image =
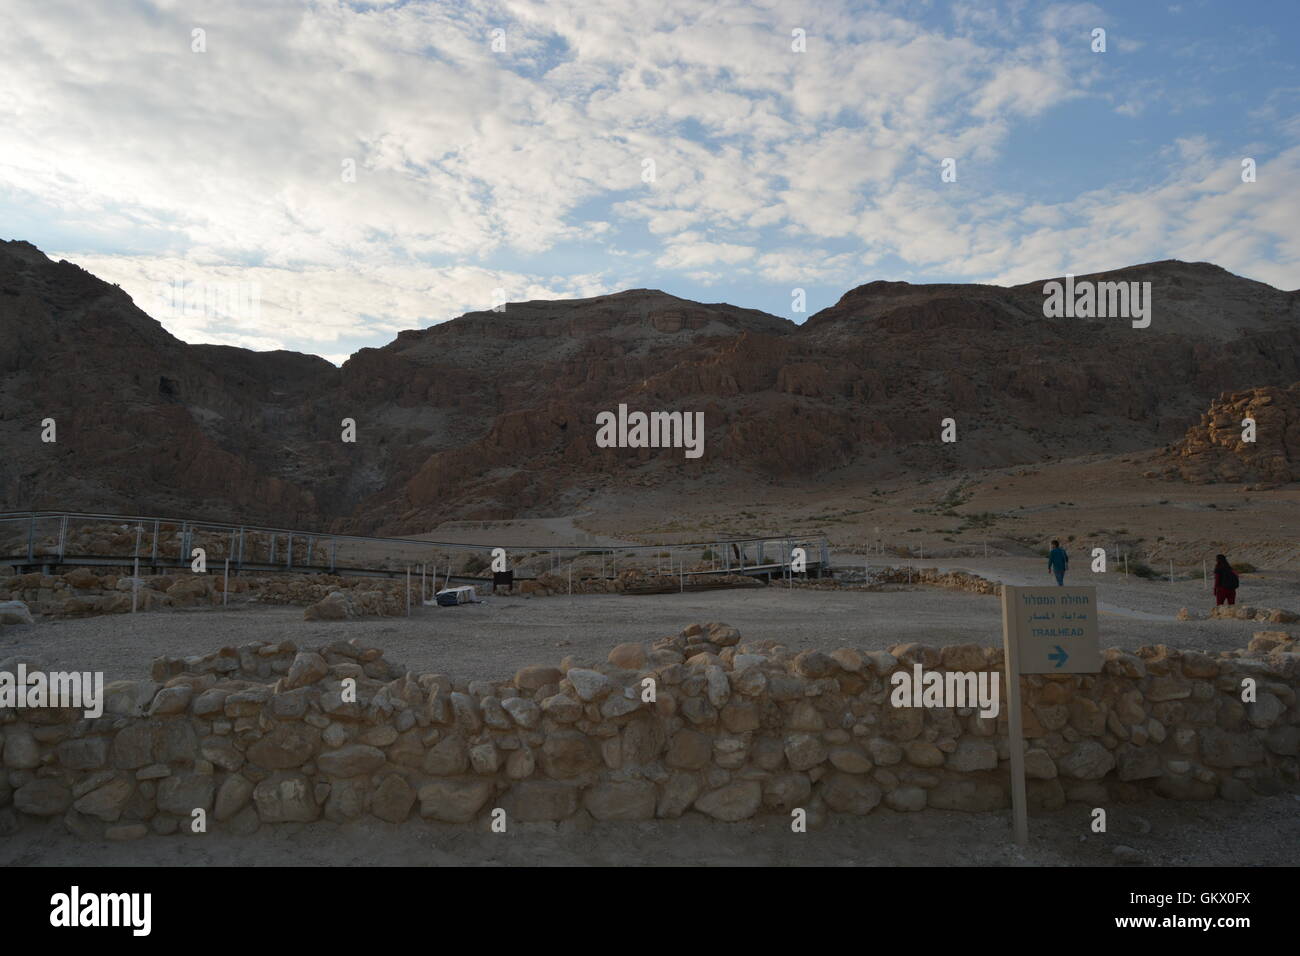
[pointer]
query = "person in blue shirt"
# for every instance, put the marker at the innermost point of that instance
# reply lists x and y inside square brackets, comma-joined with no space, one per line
[1058,561]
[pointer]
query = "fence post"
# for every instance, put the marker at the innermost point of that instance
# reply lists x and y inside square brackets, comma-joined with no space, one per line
[153,554]
[225,588]
[63,536]
[31,539]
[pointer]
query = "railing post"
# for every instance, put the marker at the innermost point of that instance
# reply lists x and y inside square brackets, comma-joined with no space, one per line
[334,543]
[289,565]
[154,559]
[184,546]
[240,565]
[310,542]
[274,536]
[63,536]
[31,540]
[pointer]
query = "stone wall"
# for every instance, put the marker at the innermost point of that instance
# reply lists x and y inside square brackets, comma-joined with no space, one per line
[263,734]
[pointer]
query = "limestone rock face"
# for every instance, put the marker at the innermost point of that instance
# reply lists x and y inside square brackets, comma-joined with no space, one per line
[1214,449]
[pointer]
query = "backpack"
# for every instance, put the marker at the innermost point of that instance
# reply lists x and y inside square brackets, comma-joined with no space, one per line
[1230,579]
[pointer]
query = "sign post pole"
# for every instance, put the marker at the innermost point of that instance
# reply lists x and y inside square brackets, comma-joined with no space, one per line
[1015,730]
[1045,630]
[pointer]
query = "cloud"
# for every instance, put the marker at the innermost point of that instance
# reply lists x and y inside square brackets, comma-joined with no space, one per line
[478,169]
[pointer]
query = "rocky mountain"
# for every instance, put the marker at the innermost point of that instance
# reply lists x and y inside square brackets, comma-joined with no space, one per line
[1215,448]
[493,414]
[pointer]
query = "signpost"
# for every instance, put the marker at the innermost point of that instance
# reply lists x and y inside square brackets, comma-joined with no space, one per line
[1045,630]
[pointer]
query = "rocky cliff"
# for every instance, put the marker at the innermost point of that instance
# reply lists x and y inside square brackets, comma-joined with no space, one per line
[1215,450]
[493,414]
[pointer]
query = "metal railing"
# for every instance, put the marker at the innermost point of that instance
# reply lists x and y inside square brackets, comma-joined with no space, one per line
[46,539]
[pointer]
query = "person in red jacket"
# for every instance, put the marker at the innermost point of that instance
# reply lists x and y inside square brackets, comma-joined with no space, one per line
[1225,581]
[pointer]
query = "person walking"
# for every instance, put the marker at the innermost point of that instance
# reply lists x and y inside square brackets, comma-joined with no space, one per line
[1057,562]
[1226,581]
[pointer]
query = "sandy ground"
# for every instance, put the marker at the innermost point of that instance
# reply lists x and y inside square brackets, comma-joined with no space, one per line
[1100,499]
[493,639]
[1261,832]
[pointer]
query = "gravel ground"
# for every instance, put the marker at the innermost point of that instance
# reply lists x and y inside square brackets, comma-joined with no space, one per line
[1262,832]
[492,640]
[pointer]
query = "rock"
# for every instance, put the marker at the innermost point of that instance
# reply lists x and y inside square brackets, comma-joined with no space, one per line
[689,750]
[1088,761]
[814,664]
[886,753]
[968,794]
[679,792]
[465,711]
[448,758]
[630,657]
[21,751]
[1039,765]
[232,796]
[286,746]
[1222,749]
[344,799]
[804,751]
[567,753]
[42,798]
[536,677]
[129,698]
[307,668]
[972,755]
[353,760]
[1137,763]
[846,793]
[785,791]
[735,801]
[483,758]
[562,708]
[922,753]
[333,607]
[181,794]
[393,799]
[906,799]
[494,715]
[849,760]
[286,796]
[455,799]
[107,802]
[621,800]
[543,801]
[171,700]
[520,764]
[1265,711]
[589,685]
[15,612]
[126,831]
[848,659]
[524,712]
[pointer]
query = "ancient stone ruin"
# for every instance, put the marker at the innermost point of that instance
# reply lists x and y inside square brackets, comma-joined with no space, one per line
[269,733]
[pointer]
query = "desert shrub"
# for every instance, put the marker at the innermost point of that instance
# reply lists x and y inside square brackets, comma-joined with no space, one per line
[1143,570]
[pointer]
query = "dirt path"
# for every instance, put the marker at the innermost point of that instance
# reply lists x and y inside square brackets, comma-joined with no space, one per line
[1158,832]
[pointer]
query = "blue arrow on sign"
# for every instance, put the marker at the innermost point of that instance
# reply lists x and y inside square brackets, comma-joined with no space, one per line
[1060,656]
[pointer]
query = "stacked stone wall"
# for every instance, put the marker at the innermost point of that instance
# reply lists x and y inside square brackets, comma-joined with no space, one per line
[269,733]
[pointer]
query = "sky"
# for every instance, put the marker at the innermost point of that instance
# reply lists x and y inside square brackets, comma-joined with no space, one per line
[318,176]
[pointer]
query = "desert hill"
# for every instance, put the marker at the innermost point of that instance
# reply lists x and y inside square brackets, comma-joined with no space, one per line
[492,414]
